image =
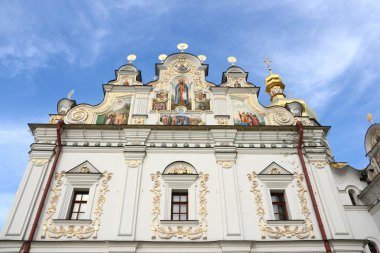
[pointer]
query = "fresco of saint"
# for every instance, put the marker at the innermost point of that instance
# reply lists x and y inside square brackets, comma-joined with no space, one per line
[181,93]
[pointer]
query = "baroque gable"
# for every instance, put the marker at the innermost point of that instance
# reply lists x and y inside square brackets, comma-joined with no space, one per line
[180,95]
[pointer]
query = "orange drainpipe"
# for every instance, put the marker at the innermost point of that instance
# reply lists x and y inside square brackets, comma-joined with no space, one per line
[27,244]
[299,126]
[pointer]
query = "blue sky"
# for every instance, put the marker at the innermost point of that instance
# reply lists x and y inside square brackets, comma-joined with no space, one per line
[327,52]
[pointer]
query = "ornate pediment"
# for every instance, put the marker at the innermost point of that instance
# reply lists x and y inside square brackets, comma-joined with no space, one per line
[274,169]
[84,168]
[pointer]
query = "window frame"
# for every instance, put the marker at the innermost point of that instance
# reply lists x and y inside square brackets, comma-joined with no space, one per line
[180,203]
[74,201]
[78,182]
[282,204]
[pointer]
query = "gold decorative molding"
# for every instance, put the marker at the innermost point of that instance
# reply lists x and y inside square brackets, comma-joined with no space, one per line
[226,164]
[139,120]
[303,232]
[275,171]
[164,232]
[181,170]
[305,121]
[222,121]
[55,118]
[319,164]
[156,202]
[84,169]
[133,163]
[39,162]
[307,229]
[72,230]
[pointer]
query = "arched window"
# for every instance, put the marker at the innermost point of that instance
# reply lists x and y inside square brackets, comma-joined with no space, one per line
[352,195]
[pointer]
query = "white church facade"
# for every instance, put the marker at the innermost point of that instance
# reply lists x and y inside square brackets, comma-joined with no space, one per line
[183,165]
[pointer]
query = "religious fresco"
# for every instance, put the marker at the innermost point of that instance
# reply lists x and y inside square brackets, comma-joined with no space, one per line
[118,115]
[201,101]
[178,120]
[181,93]
[248,119]
[159,103]
[243,115]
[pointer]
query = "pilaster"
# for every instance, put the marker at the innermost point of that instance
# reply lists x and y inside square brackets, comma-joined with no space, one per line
[326,192]
[28,195]
[134,157]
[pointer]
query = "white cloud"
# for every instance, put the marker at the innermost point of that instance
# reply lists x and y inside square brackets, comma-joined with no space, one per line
[15,136]
[5,205]
[29,42]
[313,44]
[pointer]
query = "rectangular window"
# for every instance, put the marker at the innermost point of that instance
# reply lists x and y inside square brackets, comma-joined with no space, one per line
[79,204]
[279,206]
[179,205]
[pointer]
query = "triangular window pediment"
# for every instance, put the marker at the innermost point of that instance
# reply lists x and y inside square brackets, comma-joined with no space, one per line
[274,169]
[84,168]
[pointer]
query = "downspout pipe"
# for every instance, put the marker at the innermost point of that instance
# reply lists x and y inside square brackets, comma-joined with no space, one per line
[27,244]
[299,126]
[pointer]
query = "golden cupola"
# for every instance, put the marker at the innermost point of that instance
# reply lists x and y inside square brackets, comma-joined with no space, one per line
[275,87]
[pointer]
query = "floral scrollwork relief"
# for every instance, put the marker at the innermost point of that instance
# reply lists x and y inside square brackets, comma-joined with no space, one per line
[276,232]
[164,232]
[80,231]
[133,163]
[39,162]
[319,164]
[222,121]
[226,164]
[283,117]
[139,120]
[55,118]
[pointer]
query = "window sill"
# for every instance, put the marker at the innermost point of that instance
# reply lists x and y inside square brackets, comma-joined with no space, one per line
[179,222]
[70,222]
[285,222]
